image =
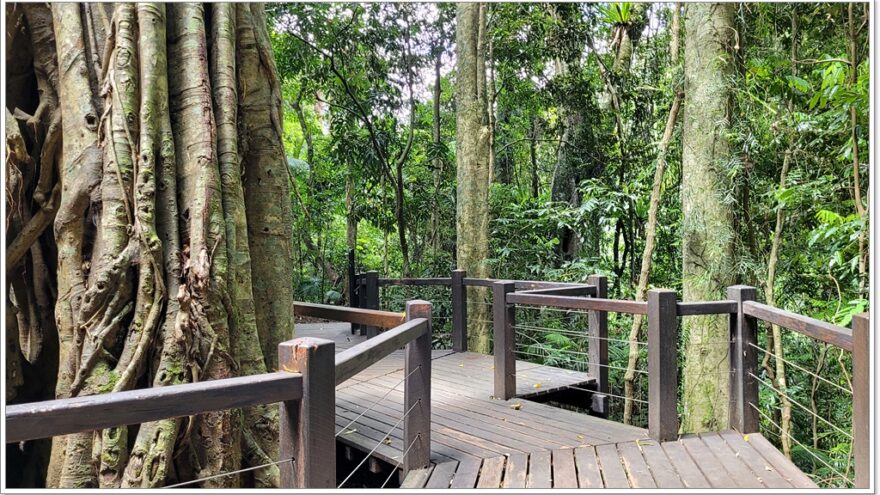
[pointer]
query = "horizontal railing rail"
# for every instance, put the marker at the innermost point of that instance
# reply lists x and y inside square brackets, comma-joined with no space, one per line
[372,317]
[581,303]
[816,329]
[95,412]
[416,281]
[355,359]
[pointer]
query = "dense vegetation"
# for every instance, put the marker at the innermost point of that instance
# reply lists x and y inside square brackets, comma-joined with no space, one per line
[215,163]
[579,97]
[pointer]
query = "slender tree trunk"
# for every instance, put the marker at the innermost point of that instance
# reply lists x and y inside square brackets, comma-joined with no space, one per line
[707,226]
[472,156]
[645,272]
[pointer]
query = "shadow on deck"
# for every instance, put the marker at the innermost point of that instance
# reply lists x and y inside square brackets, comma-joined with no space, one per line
[482,442]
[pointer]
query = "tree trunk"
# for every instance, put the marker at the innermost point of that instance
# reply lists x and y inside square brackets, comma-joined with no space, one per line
[472,161]
[161,245]
[437,172]
[707,226]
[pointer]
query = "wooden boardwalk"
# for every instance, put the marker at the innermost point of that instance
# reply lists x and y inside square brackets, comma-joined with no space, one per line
[482,442]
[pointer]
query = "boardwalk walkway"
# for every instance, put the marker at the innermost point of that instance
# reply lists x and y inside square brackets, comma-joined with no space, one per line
[479,441]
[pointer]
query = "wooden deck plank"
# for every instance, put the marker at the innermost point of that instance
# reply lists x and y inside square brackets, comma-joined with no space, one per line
[589,474]
[738,470]
[783,466]
[417,478]
[687,469]
[539,470]
[492,472]
[613,473]
[564,472]
[756,461]
[544,445]
[636,468]
[467,473]
[664,473]
[708,463]
[517,470]
[442,475]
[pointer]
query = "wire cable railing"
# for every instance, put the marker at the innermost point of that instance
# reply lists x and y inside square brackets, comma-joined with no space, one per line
[345,428]
[378,444]
[230,473]
[400,461]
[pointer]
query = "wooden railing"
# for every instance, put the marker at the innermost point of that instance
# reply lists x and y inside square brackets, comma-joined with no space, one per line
[305,386]
[662,310]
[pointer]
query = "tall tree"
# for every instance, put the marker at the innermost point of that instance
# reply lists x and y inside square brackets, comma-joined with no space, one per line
[707,223]
[173,225]
[472,159]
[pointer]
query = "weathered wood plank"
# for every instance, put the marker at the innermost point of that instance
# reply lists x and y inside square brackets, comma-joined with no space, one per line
[598,331]
[373,317]
[636,468]
[564,472]
[756,462]
[356,359]
[711,467]
[589,474]
[693,308]
[664,473]
[417,478]
[861,388]
[783,466]
[662,365]
[739,471]
[442,475]
[459,311]
[592,304]
[307,432]
[574,291]
[491,473]
[441,281]
[539,470]
[687,469]
[811,327]
[79,414]
[517,468]
[417,390]
[504,320]
[467,473]
[612,470]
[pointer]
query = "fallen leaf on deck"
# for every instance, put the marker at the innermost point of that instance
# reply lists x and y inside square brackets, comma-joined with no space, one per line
[537,385]
[387,441]
[517,406]
[746,438]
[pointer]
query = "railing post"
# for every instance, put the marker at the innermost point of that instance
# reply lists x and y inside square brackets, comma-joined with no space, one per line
[417,392]
[504,319]
[662,365]
[352,287]
[371,297]
[743,362]
[459,311]
[598,329]
[861,384]
[307,426]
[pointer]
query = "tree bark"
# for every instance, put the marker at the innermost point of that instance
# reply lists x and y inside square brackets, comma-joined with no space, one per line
[707,226]
[156,229]
[472,161]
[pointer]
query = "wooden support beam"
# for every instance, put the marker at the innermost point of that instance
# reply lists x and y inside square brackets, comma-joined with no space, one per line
[504,319]
[811,327]
[417,391]
[459,311]
[743,362]
[662,365]
[378,318]
[371,294]
[598,331]
[307,426]
[861,383]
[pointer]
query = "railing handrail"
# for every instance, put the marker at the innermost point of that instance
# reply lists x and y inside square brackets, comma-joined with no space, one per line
[372,317]
[361,356]
[51,418]
[822,331]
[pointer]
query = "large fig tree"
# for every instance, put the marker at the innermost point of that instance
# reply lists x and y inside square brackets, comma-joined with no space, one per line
[148,209]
